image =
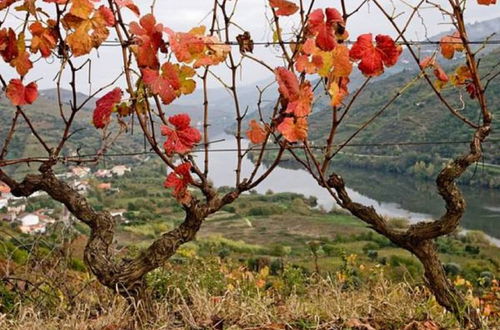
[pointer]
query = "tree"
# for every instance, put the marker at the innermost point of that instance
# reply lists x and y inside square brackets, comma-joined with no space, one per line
[324,54]
[161,65]
[69,32]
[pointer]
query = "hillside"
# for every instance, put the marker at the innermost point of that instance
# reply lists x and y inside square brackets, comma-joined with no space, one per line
[86,139]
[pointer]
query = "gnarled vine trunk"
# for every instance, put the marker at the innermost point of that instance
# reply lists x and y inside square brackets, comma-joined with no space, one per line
[126,277]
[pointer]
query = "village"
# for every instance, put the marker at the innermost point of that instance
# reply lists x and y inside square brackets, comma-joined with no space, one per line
[34,218]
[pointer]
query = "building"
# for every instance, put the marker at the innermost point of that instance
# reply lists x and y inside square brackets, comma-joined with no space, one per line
[120,170]
[31,224]
[4,188]
[80,171]
[104,186]
[103,174]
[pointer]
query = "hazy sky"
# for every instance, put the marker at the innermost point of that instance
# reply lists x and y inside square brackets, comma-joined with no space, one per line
[251,16]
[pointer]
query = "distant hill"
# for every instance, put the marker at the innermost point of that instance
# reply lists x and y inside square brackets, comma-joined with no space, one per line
[44,113]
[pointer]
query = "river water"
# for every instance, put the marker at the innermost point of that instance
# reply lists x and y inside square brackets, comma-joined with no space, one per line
[391,195]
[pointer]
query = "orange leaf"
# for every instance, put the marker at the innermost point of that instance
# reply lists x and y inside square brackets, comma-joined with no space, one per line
[309,61]
[342,66]
[257,133]
[22,62]
[293,130]
[194,46]
[283,7]
[81,8]
[338,91]
[18,94]
[301,106]
[449,44]
[44,39]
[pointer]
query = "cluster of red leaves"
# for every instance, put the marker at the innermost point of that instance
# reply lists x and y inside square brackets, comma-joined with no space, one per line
[283,7]
[18,94]
[105,106]
[373,57]
[462,77]
[182,138]
[179,180]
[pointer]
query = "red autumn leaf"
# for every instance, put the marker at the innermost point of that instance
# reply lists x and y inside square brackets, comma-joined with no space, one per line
[179,180]
[6,3]
[283,7]
[325,30]
[288,83]
[107,15]
[149,39]
[440,74]
[299,96]
[374,57]
[427,62]
[18,94]
[430,62]
[293,130]
[487,2]
[104,107]
[450,44]
[130,5]
[257,132]
[8,44]
[182,138]
[44,38]
[301,106]
[159,85]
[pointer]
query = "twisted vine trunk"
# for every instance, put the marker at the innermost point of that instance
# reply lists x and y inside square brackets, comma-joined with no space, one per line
[126,277]
[424,249]
[445,292]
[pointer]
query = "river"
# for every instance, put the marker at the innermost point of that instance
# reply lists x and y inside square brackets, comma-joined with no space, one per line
[391,195]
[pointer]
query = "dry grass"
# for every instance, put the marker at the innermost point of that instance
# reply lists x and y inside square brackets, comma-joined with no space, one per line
[324,305]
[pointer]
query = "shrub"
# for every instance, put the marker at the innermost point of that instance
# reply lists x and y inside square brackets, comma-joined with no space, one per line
[452,269]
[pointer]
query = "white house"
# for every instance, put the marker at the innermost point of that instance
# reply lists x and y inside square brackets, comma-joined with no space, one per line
[103,173]
[80,171]
[30,224]
[120,170]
